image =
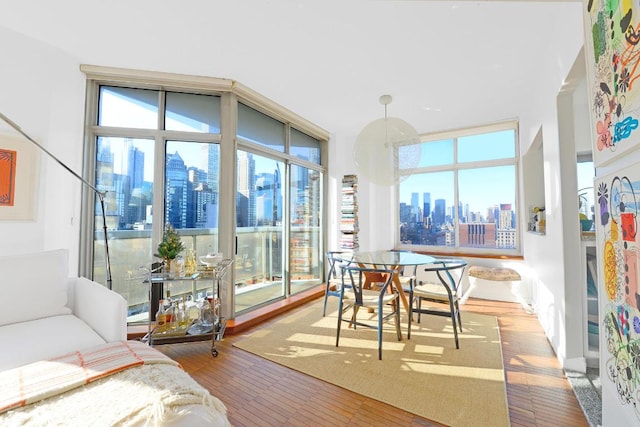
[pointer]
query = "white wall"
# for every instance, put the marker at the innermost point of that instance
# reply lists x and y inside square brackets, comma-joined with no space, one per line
[553,258]
[43,92]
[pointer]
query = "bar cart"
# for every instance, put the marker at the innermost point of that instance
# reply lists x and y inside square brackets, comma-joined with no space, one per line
[210,324]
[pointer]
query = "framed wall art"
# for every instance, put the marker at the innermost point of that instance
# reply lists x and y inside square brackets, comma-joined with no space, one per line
[618,252]
[19,166]
[612,48]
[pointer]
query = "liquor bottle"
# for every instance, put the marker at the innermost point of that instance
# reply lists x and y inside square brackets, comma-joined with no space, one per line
[190,266]
[183,317]
[161,318]
[172,317]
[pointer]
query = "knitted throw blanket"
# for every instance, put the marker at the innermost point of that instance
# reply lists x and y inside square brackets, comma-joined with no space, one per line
[121,383]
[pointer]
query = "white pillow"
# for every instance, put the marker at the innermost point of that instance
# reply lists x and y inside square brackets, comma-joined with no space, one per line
[33,285]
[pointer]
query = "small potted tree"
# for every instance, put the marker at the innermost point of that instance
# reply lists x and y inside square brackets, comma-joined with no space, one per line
[170,247]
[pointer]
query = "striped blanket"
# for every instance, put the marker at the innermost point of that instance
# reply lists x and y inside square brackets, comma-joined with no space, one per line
[120,383]
[39,380]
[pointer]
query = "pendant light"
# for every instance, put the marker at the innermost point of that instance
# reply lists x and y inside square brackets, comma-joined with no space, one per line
[386,146]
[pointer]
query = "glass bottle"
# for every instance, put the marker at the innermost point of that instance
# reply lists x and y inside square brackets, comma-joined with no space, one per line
[168,299]
[172,317]
[183,317]
[193,314]
[190,266]
[206,316]
[161,318]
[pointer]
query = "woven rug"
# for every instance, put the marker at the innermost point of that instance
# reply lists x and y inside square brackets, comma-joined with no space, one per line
[426,375]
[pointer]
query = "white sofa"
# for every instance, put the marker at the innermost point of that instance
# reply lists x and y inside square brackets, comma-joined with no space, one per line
[45,314]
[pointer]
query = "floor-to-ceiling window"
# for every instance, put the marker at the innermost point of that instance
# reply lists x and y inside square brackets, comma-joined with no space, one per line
[134,128]
[161,155]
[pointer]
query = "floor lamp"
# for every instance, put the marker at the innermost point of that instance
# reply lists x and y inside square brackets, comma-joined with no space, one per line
[101,194]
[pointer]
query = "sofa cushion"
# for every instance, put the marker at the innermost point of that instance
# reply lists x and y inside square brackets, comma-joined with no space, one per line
[36,285]
[44,339]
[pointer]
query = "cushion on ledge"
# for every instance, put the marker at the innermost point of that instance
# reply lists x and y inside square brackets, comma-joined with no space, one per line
[34,284]
[494,273]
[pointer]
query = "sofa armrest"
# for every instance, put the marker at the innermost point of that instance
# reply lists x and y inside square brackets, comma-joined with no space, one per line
[104,310]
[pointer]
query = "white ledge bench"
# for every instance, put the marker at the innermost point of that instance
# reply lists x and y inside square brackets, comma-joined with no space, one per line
[496,283]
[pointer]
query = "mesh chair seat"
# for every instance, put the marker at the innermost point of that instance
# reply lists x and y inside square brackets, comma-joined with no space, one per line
[370,298]
[433,291]
[442,289]
[406,281]
[354,295]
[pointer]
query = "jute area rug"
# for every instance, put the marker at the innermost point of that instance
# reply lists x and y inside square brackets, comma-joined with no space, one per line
[425,375]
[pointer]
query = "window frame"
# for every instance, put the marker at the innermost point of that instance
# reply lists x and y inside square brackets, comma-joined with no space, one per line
[456,167]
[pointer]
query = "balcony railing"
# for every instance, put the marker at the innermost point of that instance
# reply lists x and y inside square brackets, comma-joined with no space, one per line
[258,268]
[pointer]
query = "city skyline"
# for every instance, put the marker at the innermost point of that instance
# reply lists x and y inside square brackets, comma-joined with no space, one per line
[476,186]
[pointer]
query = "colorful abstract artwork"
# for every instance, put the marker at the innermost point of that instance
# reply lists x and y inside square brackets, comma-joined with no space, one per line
[613,62]
[7,177]
[617,230]
[19,165]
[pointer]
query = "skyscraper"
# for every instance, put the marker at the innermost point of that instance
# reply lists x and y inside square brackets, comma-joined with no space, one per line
[415,207]
[426,205]
[245,186]
[439,212]
[177,192]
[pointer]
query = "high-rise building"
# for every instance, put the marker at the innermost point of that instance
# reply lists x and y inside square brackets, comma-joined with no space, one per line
[504,219]
[245,186]
[415,206]
[478,235]
[177,191]
[439,212]
[405,213]
[135,167]
[426,206]
[506,233]
[212,152]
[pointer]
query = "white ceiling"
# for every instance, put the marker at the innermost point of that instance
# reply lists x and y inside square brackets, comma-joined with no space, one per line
[447,64]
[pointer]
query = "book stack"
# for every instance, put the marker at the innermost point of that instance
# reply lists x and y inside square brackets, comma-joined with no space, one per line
[349,213]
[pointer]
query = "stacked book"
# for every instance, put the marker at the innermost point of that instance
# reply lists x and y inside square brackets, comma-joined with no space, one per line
[349,213]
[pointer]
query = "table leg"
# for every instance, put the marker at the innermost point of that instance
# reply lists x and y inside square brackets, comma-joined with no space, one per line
[403,297]
[373,278]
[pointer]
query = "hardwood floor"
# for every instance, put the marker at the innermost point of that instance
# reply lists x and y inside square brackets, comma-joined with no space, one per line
[258,392]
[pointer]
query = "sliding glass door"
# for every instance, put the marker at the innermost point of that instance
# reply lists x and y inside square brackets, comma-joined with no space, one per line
[260,255]
[305,259]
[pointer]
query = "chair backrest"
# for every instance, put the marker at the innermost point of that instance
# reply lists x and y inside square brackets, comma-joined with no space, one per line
[334,260]
[452,269]
[354,277]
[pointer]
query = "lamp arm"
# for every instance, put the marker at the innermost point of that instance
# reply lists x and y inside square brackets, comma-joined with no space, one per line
[101,194]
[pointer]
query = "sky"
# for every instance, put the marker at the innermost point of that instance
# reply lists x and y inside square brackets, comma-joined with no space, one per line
[480,188]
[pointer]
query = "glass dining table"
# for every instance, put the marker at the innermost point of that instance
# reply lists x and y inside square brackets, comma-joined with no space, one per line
[392,260]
